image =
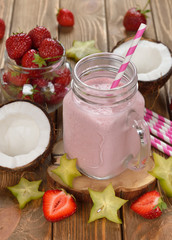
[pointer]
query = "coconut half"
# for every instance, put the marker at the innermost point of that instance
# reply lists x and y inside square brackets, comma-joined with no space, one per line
[153,61]
[26,135]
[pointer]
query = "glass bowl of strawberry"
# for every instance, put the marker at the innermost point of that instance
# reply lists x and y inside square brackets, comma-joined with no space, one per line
[35,69]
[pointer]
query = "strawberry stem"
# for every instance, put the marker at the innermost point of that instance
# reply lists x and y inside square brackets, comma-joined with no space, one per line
[59,56]
[146,5]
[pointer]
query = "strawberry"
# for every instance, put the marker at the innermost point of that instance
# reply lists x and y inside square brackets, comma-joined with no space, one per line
[28,58]
[9,88]
[32,93]
[57,205]
[5,77]
[51,50]
[18,44]
[2,28]
[65,17]
[31,59]
[20,95]
[38,34]
[39,82]
[149,205]
[54,93]
[18,61]
[63,77]
[17,79]
[134,17]
[38,96]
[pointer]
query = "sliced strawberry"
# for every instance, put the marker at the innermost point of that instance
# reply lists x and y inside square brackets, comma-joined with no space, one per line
[149,205]
[63,77]
[18,44]
[38,34]
[65,17]
[57,205]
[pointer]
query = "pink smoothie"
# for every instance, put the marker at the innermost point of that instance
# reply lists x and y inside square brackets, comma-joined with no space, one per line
[101,137]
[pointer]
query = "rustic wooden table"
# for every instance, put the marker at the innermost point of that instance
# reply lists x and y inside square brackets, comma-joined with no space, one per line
[100,20]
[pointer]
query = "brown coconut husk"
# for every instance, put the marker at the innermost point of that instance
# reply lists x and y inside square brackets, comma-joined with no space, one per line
[148,87]
[41,158]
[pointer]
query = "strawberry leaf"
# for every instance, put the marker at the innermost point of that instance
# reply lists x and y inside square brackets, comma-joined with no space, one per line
[15,74]
[163,205]
[39,60]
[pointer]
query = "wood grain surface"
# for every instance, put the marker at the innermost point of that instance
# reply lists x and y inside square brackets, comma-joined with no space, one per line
[102,21]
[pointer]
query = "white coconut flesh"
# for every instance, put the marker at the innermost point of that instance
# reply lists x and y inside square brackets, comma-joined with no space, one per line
[24,133]
[152,60]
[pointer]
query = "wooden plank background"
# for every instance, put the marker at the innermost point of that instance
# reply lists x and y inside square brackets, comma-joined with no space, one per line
[100,20]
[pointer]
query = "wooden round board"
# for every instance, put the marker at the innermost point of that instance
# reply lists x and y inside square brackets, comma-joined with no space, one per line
[129,184]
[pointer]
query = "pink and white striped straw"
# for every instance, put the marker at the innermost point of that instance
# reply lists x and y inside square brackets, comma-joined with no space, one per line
[161,146]
[160,135]
[129,55]
[160,131]
[158,123]
[159,117]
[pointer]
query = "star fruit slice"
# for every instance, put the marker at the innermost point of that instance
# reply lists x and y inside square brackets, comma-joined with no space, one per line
[81,49]
[67,170]
[163,172]
[106,204]
[25,191]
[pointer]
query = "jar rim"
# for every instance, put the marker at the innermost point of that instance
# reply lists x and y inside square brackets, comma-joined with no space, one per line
[104,55]
[103,65]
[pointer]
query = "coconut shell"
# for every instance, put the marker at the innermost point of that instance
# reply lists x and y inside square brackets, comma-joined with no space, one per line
[148,87]
[40,159]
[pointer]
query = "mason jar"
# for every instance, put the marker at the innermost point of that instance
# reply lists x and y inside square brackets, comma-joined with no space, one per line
[102,127]
[46,86]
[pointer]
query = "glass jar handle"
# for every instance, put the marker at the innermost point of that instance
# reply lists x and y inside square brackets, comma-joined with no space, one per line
[144,136]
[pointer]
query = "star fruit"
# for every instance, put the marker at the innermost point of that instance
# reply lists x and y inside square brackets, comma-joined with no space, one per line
[81,49]
[67,170]
[106,204]
[25,191]
[163,172]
